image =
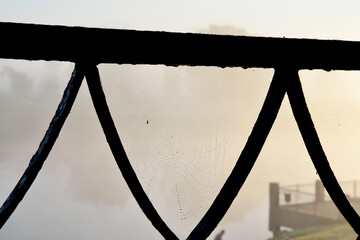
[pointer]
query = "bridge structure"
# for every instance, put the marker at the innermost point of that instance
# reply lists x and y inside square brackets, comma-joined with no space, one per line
[306,205]
[88,47]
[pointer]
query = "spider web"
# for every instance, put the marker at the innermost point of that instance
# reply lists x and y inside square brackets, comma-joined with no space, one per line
[170,124]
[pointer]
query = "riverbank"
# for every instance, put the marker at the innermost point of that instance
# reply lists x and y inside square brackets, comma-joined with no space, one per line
[339,231]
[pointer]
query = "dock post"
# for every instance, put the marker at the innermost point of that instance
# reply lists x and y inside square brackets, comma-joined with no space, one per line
[274,225]
[319,191]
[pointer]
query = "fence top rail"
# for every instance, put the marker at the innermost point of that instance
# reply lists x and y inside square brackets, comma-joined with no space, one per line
[294,186]
[299,186]
[96,45]
[299,192]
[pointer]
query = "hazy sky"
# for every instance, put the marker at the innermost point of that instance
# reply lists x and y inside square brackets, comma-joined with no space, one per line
[314,19]
[183,128]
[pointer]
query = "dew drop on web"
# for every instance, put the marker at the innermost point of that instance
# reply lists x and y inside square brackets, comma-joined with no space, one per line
[169,121]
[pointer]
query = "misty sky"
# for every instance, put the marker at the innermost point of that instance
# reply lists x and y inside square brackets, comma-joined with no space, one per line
[183,128]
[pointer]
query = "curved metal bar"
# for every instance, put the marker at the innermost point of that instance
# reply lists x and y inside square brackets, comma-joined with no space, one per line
[316,152]
[246,160]
[113,139]
[45,146]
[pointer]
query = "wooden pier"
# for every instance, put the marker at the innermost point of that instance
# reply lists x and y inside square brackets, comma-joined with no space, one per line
[294,207]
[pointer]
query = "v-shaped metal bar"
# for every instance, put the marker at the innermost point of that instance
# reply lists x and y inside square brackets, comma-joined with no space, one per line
[285,80]
[234,182]
[315,150]
[45,146]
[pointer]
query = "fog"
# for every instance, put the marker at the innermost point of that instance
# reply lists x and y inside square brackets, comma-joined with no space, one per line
[183,129]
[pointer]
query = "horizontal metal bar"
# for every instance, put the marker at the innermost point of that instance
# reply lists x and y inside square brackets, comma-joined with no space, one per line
[74,44]
[298,185]
[298,192]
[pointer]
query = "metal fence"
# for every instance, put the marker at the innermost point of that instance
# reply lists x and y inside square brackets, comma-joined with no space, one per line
[307,193]
[87,47]
[297,194]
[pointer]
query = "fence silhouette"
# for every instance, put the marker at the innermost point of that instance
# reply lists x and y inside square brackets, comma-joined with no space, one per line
[88,47]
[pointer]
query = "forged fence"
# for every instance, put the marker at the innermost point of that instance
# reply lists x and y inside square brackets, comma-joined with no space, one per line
[88,47]
[310,193]
[297,194]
